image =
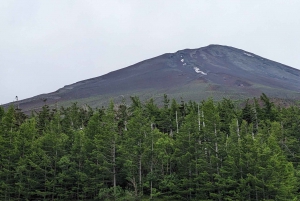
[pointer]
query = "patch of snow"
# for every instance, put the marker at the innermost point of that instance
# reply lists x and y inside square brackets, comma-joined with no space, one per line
[197,70]
[249,55]
[182,60]
[184,64]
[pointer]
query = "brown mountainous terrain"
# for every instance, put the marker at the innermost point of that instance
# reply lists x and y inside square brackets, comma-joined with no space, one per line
[193,74]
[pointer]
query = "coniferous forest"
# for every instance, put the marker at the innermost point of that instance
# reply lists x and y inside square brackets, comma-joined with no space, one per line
[141,151]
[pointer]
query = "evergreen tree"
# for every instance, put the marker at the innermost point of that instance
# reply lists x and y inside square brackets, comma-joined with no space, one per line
[9,154]
[187,151]
[26,137]
[133,147]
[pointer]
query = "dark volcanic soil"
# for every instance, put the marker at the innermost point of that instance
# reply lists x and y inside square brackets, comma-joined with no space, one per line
[193,73]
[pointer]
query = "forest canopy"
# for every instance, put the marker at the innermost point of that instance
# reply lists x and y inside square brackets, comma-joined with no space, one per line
[178,151]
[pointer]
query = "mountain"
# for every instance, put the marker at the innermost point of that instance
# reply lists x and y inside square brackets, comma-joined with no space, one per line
[193,74]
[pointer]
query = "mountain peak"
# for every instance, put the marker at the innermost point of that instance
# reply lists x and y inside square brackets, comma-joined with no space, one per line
[214,70]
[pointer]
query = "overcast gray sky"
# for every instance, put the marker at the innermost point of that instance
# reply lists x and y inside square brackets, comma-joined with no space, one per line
[45,45]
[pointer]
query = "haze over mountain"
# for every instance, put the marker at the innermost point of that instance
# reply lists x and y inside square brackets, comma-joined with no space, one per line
[192,74]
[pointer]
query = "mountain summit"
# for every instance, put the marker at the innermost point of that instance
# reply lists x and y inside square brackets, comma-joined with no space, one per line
[213,71]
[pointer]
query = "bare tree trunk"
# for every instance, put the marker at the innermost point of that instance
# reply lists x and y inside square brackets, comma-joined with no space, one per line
[199,121]
[176,122]
[190,169]
[53,188]
[45,180]
[151,168]
[256,120]
[216,148]
[56,156]
[134,184]
[203,120]
[77,191]
[114,167]
[237,129]
[196,166]
[140,171]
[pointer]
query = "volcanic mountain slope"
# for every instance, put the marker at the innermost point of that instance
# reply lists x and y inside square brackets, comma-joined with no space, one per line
[213,71]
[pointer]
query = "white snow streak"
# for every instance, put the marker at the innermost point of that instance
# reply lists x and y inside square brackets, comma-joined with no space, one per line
[197,70]
[249,55]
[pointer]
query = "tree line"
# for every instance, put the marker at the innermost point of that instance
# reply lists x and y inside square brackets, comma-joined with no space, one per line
[177,151]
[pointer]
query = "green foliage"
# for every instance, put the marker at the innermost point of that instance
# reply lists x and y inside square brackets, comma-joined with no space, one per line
[185,151]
